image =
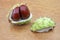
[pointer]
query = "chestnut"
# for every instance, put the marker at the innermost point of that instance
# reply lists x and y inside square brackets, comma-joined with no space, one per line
[24,11]
[15,14]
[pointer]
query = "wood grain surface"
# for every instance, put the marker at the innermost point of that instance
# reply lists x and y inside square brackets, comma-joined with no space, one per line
[49,8]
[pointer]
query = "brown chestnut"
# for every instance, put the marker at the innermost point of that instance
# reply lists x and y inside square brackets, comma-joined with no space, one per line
[15,14]
[24,11]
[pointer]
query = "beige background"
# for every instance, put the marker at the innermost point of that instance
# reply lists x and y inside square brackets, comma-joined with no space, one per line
[49,8]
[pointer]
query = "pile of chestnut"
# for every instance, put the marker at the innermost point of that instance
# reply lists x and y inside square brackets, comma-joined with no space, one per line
[21,12]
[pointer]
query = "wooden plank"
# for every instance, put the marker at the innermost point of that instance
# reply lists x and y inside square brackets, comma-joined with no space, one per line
[49,8]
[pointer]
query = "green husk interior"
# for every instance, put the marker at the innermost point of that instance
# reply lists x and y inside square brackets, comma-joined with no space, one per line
[42,23]
[20,23]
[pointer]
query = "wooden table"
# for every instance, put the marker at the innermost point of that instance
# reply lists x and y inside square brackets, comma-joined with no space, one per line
[49,8]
